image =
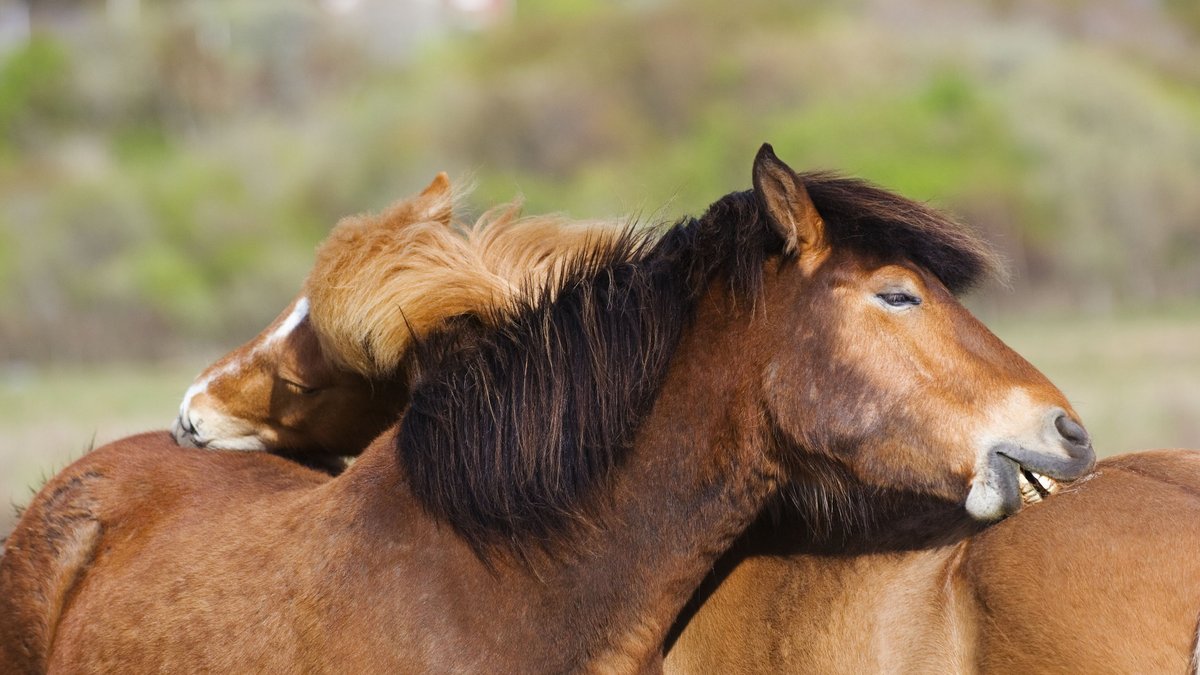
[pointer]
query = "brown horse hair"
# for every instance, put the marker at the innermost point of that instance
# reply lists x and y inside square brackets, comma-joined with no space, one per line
[510,430]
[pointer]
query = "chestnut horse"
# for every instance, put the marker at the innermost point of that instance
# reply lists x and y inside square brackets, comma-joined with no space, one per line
[1102,578]
[320,381]
[565,474]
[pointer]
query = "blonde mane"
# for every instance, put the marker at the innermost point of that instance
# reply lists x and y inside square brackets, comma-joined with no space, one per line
[381,279]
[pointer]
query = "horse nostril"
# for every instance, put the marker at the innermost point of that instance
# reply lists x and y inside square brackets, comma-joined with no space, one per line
[1071,430]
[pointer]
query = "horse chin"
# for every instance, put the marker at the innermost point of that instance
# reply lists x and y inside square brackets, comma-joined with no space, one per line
[995,491]
[244,443]
[240,443]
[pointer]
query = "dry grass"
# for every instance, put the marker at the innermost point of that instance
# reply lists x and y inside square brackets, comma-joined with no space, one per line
[1135,380]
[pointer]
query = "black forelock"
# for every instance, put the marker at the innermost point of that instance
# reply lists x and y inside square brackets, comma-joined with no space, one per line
[862,216]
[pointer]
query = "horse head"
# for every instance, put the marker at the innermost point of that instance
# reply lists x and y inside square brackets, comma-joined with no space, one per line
[284,389]
[915,391]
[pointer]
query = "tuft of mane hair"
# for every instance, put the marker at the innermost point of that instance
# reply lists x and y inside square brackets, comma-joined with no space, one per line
[863,216]
[516,419]
[380,280]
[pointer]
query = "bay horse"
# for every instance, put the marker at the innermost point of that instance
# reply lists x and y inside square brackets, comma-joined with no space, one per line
[320,381]
[1103,577]
[567,473]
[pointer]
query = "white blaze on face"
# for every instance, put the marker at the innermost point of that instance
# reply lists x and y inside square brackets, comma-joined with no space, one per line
[284,329]
[202,382]
[212,427]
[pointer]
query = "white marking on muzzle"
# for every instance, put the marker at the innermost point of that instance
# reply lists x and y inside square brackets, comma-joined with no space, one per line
[240,443]
[1018,421]
[201,385]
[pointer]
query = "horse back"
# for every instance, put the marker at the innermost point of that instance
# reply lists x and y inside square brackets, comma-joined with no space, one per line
[1103,577]
[112,491]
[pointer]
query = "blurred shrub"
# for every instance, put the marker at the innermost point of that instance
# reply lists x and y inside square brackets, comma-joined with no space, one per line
[164,179]
[35,93]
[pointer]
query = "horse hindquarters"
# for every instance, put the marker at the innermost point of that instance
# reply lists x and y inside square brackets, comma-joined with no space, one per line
[45,557]
[1104,577]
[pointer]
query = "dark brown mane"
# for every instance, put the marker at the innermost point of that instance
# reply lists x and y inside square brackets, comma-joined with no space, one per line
[515,427]
[510,429]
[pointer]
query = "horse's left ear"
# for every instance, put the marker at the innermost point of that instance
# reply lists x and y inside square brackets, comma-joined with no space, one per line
[787,203]
[437,200]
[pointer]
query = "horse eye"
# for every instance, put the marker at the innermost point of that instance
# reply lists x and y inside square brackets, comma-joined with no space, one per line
[300,388]
[899,299]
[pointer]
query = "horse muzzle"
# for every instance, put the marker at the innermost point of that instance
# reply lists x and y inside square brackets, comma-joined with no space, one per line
[1010,470]
[184,433]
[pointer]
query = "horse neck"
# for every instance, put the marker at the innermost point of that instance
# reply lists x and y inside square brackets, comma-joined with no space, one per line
[695,479]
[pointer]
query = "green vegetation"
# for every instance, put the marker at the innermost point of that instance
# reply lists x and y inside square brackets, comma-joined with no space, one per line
[163,179]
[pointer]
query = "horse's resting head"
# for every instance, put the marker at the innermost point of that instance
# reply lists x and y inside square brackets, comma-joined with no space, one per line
[280,392]
[914,391]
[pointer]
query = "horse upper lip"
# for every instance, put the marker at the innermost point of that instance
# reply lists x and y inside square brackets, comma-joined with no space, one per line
[1076,464]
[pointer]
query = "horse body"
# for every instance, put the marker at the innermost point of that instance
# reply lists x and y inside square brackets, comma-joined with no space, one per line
[565,477]
[288,574]
[873,613]
[1101,578]
[240,574]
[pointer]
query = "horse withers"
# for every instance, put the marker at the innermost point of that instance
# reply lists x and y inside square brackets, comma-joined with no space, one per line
[565,477]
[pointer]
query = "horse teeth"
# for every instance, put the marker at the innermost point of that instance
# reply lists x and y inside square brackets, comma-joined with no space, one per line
[1034,486]
[1048,484]
[1029,494]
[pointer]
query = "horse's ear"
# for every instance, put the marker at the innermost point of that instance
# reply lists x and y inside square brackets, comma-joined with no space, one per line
[788,206]
[438,187]
[437,200]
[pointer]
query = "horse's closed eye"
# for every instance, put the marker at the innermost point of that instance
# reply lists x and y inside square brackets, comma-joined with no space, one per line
[899,299]
[300,388]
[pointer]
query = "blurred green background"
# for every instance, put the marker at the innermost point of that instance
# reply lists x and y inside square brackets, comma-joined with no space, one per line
[166,168]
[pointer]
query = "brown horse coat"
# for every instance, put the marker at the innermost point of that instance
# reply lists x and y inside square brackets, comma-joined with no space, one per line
[1101,578]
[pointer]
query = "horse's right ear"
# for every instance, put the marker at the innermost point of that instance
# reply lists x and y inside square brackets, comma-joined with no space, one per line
[791,212]
[437,200]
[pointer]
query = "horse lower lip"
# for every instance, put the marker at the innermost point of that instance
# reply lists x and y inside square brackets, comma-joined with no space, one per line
[187,440]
